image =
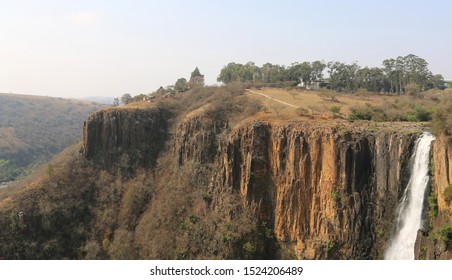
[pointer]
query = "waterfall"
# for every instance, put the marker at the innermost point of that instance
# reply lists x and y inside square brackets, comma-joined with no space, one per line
[409,216]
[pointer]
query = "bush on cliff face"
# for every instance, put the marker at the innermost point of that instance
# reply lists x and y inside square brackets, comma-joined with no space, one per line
[443,234]
[448,194]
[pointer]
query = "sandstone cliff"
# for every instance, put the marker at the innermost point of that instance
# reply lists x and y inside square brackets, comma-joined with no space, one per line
[442,167]
[328,191]
[134,136]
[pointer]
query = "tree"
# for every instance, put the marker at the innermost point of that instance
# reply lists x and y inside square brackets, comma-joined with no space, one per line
[405,70]
[389,70]
[317,68]
[126,98]
[272,73]
[300,72]
[181,85]
[116,101]
[195,73]
[196,78]
[416,70]
[343,76]
[229,73]
[371,79]
[436,81]
[249,72]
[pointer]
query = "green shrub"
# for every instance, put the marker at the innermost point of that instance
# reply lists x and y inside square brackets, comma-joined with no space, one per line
[335,109]
[361,113]
[249,250]
[422,114]
[411,118]
[329,246]
[380,231]
[448,194]
[432,206]
[443,233]
[334,196]
[193,219]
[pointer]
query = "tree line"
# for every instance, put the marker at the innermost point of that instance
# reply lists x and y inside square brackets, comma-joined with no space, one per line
[403,74]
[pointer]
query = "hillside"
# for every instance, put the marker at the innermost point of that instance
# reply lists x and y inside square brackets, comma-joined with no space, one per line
[215,173]
[34,128]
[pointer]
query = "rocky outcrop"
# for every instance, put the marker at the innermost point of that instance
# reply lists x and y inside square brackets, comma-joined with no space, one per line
[124,136]
[328,191]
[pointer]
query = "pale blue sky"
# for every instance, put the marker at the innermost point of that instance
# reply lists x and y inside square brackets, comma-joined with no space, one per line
[85,48]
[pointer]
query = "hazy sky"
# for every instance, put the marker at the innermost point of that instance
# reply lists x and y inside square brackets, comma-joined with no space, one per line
[108,48]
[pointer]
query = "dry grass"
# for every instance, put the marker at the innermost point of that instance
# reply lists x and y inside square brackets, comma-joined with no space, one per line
[319,103]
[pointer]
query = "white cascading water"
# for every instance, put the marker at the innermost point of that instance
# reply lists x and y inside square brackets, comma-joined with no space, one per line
[409,219]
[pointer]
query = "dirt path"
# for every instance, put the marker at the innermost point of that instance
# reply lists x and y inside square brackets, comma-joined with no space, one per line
[274,99]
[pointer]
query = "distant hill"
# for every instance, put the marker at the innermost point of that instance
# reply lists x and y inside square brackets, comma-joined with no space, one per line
[34,128]
[100,99]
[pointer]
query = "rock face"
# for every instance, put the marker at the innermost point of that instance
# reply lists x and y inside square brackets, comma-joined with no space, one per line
[327,192]
[426,247]
[442,165]
[131,135]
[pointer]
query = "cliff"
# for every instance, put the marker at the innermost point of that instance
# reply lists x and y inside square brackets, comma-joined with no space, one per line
[328,191]
[131,135]
[206,188]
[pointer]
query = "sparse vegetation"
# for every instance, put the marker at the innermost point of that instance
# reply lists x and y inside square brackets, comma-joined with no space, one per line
[432,211]
[335,109]
[442,117]
[302,111]
[329,246]
[444,234]
[432,205]
[361,113]
[335,196]
[448,194]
